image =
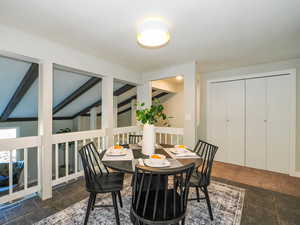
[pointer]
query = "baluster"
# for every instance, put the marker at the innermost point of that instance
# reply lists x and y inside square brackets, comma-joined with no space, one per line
[56,162]
[10,172]
[25,168]
[123,139]
[171,139]
[166,138]
[160,138]
[39,165]
[128,138]
[76,156]
[67,158]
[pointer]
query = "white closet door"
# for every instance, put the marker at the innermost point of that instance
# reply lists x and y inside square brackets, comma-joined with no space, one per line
[236,121]
[217,121]
[256,112]
[278,124]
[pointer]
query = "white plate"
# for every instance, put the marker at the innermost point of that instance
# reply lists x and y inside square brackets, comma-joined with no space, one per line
[116,152]
[178,150]
[149,163]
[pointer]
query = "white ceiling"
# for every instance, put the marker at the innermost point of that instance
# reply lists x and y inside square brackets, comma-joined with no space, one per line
[218,34]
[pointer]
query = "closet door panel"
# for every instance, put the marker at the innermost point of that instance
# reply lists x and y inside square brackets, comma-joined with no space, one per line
[278,124]
[218,127]
[256,123]
[236,121]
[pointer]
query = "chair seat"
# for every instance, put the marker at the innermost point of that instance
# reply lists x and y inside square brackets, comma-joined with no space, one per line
[159,213]
[111,182]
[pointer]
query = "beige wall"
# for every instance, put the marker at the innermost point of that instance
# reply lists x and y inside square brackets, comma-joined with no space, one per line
[283,65]
[173,107]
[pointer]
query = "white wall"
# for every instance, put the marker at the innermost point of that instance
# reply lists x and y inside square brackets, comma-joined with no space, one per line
[173,107]
[260,68]
[13,41]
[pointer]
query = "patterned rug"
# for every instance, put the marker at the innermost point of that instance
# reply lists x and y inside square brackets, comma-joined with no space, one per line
[227,205]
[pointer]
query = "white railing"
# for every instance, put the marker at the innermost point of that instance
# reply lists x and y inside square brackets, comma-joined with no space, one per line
[26,149]
[169,135]
[66,160]
[121,134]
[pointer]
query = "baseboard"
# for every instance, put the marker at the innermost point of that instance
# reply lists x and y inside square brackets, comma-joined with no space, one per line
[295,174]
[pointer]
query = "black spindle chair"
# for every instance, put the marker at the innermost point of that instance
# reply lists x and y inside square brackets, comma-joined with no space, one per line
[157,201]
[201,177]
[99,180]
[134,138]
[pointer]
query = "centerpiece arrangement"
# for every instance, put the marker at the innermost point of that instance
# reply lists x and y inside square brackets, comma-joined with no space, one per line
[148,117]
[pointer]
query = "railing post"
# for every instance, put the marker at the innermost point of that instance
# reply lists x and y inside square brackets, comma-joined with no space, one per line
[107,118]
[190,123]
[115,105]
[144,93]
[133,112]
[45,127]
[93,118]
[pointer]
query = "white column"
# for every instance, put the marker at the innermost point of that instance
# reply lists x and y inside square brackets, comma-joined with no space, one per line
[45,127]
[107,118]
[93,118]
[133,112]
[115,111]
[190,95]
[144,93]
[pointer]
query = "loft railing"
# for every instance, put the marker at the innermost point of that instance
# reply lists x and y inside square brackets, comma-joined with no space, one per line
[21,170]
[169,135]
[121,134]
[66,163]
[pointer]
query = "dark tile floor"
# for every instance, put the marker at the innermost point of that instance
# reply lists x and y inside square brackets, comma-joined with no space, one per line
[261,206]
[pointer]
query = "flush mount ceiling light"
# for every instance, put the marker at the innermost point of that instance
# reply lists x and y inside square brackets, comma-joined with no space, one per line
[179,77]
[153,33]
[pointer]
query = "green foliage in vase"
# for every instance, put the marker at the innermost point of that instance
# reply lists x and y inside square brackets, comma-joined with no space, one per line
[150,115]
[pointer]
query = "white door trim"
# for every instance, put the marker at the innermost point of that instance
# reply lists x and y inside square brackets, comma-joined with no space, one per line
[290,72]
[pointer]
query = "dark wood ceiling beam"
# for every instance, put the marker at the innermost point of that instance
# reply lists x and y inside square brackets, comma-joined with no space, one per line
[118,92]
[124,111]
[27,81]
[160,95]
[77,93]
[127,101]
[86,109]
[123,89]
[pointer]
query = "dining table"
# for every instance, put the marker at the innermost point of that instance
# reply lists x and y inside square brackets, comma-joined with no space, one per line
[127,165]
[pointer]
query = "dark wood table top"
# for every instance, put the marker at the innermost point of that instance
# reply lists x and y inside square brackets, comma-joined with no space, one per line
[128,166]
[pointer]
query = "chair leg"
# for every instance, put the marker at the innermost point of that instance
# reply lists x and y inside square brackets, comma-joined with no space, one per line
[120,199]
[183,221]
[208,202]
[198,195]
[94,200]
[114,197]
[88,209]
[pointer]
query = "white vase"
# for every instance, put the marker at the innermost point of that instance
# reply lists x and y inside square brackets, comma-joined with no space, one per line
[148,139]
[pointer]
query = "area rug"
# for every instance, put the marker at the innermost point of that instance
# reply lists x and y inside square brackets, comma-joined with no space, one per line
[226,200]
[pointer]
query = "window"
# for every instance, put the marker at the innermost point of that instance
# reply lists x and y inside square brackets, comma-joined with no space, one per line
[4,134]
